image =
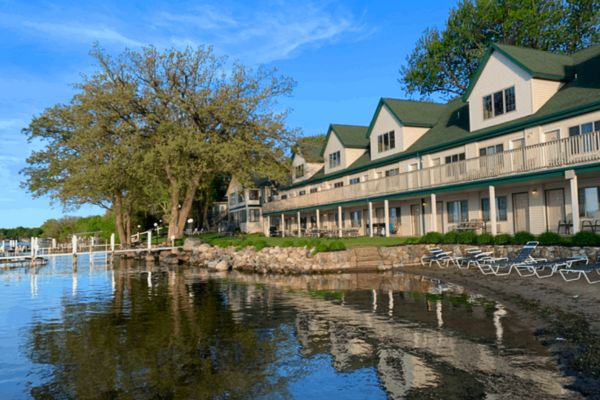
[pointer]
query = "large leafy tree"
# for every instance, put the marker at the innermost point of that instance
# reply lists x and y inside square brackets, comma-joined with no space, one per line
[150,129]
[443,61]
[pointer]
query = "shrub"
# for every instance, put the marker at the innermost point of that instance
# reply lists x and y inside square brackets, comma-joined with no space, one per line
[320,248]
[550,239]
[451,237]
[467,237]
[502,239]
[586,239]
[260,244]
[337,246]
[432,238]
[485,238]
[287,243]
[412,240]
[523,237]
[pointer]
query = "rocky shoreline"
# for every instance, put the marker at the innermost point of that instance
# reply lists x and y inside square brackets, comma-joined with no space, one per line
[302,260]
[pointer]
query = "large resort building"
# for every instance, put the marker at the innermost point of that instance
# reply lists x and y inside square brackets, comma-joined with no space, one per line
[520,151]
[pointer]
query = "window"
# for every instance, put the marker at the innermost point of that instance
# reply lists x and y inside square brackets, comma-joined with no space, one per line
[386,141]
[354,181]
[283,196]
[486,151]
[240,197]
[488,109]
[355,219]
[314,190]
[501,209]
[392,172]
[588,127]
[299,171]
[499,103]
[455,158]
[302,193]
[509,99]
[338,184]
[253,215]
[394,216]
[458,211]
[253,194]
[334,159]
[589,202]
[551,136]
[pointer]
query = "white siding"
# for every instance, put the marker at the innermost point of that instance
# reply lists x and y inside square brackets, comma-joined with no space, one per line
[500,73]
[542,91]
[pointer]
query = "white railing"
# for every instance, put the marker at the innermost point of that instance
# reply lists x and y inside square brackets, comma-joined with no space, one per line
[574,150]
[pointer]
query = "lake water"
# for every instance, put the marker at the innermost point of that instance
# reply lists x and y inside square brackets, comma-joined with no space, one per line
[148,332]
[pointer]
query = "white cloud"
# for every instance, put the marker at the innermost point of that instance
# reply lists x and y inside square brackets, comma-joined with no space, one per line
[82,33]
[257,35]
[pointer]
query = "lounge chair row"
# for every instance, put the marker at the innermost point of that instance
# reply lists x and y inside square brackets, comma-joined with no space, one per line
[524,264]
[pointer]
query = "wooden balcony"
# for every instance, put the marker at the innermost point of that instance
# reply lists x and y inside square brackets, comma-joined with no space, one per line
[570,151]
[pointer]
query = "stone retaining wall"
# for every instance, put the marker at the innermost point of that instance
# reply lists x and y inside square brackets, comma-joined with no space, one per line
[296,260]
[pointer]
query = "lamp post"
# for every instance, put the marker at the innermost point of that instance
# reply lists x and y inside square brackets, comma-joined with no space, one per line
[190,222]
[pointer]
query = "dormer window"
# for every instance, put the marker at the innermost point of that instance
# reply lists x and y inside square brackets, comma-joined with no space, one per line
[335,159]
[386,141]
[499,103]
[299,171]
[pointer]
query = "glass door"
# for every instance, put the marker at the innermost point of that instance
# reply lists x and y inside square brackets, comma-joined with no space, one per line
[521,211]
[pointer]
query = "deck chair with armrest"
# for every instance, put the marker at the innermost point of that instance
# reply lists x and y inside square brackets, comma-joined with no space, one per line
[504,266]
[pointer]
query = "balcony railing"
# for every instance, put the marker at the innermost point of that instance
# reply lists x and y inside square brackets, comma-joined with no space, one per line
[563,152]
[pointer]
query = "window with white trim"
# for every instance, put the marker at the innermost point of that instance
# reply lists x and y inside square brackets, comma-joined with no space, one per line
[499,103]
[386,141]
[392,172]
[354,181]
[314,190]
[335,159]
[299,171]
[338,184]
[458,211]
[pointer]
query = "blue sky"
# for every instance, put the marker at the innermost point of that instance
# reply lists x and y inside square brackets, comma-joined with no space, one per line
[344,56]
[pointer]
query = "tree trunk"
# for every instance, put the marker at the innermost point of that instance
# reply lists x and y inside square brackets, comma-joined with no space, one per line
[119,223]
[179,215]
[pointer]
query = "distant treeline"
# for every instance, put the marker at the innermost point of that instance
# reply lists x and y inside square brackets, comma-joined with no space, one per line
[61,229]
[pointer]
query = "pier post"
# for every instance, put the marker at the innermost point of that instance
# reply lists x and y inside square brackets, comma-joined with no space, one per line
[53,243]
[112,242]
[149,239]
[74,244]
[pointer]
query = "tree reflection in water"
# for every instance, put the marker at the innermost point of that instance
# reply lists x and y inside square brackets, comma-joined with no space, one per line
[178,341]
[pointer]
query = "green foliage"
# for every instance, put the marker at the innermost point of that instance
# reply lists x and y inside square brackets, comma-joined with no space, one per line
[444,61]
[503,239]
[523,237]
[550,239]
[338,245]
[321,248]
[432,238]
[20,233]
[467,237]
[485,239]
[451,237]
[96,225]
[581,239]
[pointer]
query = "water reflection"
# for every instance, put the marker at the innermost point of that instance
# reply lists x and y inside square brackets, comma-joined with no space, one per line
[151,332]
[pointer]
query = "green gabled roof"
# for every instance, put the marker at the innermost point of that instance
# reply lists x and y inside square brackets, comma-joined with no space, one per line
[537,63]
[415,113]
[580,95]
[309,147]
[351,136]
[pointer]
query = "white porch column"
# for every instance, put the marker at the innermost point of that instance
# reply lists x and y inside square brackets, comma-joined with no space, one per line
[433,200]
[268,226]
[318,219]
[340,221]
[298,220]
[246,198]
[371,219]
[570,175]
[386,217]
[493,213]
[282,225]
